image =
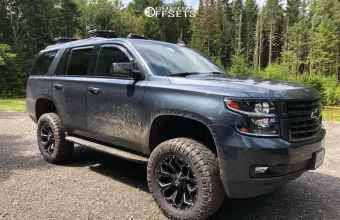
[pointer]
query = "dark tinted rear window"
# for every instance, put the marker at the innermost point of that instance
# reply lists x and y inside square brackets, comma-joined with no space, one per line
[62,66]
[43,62]
[79,61]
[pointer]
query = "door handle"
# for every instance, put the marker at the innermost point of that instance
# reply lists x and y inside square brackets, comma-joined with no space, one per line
[94,90]
[58,86]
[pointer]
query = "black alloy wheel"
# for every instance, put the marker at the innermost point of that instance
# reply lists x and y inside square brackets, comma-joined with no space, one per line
[177,182]
[51,139]
[184,179]
[47,138]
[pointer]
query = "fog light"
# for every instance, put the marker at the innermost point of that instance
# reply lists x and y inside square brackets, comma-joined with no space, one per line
[261,169]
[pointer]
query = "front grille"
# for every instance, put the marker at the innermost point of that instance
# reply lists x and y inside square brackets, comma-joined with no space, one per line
[304,118]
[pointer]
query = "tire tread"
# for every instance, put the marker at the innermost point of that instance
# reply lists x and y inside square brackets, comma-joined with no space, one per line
[206,163]
[63,147]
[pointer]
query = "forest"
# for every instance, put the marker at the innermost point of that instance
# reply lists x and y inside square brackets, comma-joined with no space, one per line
[292,40]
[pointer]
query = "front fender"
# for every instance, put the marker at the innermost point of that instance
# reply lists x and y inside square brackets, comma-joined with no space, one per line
[206,108]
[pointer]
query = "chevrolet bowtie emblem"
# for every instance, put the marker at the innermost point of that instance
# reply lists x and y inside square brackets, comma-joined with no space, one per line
[315,114]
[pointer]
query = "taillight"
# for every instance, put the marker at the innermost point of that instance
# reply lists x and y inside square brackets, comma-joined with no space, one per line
[26,86]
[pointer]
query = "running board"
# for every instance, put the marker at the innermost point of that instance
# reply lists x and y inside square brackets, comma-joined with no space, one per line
[107,149]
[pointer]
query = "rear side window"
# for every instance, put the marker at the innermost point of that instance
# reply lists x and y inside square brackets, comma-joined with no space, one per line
[43,62]
[79,62]
[62,66]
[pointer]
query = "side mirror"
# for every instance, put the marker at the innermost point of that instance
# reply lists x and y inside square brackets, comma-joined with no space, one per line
[126,69]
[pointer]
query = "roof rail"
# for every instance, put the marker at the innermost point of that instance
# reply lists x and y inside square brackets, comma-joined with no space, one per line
[136,36]
[60,40]
[104,33]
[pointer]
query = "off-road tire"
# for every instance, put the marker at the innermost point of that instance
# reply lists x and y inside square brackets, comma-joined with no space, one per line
[204,165]
[62,148]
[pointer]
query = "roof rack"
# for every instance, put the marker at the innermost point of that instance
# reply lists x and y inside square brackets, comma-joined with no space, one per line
[60,40]
[136,36]
[104,33]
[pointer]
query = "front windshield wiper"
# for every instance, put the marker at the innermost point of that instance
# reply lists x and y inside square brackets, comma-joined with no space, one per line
[184,74]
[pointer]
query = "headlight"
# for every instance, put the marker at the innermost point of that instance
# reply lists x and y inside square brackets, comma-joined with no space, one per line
[260,116]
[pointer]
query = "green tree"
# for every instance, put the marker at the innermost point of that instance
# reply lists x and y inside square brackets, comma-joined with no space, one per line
[5,53]
[239,65]
[67,19]
[295,50]
[176,28]
[273,17]
[196,41]
[323,48]
[292,12]
[249,22]
[237,13]
[258,39]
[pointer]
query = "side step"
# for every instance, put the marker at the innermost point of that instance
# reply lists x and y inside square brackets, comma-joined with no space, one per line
[107,149]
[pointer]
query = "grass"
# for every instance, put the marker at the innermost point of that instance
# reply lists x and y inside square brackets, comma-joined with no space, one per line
[18,105]
[329,113]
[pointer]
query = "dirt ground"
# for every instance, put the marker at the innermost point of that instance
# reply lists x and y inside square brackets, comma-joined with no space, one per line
[94,185]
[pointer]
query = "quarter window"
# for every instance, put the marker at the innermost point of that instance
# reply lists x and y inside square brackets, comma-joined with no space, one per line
[107,56]
[79,62]
[43,62]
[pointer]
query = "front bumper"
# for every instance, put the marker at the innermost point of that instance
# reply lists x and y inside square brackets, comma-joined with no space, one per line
[239,153]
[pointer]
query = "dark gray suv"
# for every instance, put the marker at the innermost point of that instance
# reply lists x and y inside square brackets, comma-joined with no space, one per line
[202,132]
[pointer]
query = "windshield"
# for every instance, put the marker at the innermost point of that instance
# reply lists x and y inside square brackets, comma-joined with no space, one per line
[166,59]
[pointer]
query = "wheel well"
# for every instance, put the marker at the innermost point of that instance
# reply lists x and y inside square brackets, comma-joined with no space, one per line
[44,106]
[167,127]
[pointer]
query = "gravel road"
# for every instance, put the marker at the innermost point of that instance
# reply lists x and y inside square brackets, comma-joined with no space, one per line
[94,185]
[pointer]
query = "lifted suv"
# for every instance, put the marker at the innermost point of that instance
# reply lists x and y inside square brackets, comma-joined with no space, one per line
[202,132]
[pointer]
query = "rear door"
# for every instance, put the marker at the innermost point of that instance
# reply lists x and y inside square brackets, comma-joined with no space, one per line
[39,84]
[115,101]
[70,85]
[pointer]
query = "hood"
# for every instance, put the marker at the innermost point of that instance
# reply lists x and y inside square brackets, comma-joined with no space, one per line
[254,87]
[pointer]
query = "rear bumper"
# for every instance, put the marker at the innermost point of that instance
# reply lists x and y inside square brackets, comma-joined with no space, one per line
[240,154]
[30,106]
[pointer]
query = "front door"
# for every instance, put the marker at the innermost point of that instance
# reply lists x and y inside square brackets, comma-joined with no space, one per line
[114,101]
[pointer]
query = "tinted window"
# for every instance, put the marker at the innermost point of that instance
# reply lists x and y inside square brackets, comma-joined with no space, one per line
[166,59]
[62,66]
[43,62]
[79,61]
[107,56]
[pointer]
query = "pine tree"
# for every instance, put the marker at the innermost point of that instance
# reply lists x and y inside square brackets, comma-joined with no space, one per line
[250,18]
[239,65]
[67,18]
[295,50]
[237,11]
[224,19]
[323,48]
[292,12]
[273,15]
[258,39]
